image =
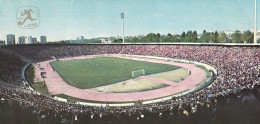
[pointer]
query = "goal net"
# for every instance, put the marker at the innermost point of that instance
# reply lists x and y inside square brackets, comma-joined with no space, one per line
[138,73]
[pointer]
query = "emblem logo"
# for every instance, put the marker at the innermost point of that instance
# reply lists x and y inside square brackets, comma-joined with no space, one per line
[28,17]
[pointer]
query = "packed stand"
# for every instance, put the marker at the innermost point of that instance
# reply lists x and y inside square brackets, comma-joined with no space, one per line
[10,68]
[23,107]
[238,71]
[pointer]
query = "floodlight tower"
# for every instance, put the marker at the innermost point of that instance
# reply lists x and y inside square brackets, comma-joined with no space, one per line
[122,17]
[255,31]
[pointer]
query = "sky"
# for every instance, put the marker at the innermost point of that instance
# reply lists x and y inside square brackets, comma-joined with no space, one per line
[69,19]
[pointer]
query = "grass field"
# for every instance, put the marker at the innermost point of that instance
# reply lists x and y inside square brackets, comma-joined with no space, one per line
[39,86]
[95,72]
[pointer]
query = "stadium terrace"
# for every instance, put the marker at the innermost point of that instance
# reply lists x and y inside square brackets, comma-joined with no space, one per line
[233,97]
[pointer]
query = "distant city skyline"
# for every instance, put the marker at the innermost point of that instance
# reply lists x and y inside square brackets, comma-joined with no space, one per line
[69,19]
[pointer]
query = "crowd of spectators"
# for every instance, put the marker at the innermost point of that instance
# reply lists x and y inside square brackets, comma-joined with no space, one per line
[18,106]
[229,97]
[10,68]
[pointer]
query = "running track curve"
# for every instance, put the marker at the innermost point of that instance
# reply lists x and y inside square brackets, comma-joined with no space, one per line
[56,85]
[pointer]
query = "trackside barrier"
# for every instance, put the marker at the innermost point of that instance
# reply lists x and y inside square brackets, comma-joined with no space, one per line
[201,86]
[60,99]
[100,104]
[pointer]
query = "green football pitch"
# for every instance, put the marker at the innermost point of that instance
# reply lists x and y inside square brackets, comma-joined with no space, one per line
[100,71]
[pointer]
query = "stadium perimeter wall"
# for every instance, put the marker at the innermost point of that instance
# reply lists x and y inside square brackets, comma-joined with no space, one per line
[149,43]
[185,43]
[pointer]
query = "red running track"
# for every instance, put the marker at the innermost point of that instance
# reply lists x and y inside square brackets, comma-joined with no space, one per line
[56,85]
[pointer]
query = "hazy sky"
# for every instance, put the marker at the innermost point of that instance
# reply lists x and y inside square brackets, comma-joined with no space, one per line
[68,19]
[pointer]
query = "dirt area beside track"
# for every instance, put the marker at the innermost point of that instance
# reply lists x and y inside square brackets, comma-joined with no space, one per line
[173,76]
[141,84]
[132,85]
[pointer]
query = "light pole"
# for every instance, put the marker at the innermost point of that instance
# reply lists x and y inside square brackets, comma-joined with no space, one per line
[122,17]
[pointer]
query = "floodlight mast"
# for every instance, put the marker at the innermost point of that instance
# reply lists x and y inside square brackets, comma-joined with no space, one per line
[255,31]
[122,17]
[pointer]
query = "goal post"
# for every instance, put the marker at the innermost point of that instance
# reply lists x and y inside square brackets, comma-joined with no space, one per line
[138,73]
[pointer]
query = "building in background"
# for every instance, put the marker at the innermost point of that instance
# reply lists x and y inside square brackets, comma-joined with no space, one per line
[2,43]
[43,39]
[21,40]
[10,39]
[34,40]
[29,40]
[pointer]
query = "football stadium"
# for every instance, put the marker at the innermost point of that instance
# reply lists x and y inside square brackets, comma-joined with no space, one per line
[130,81]
[129,62]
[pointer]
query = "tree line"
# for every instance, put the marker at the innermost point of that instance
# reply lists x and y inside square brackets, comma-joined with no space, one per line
[192,36]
